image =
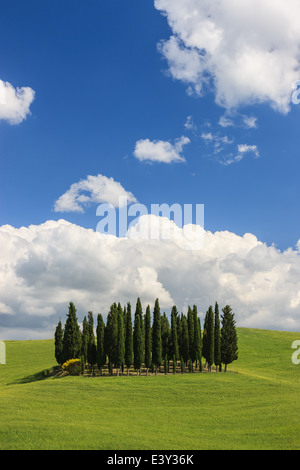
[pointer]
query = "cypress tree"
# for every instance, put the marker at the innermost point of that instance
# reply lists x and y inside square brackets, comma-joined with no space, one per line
[174,338]
[210,337]
[191,329]
[185,340]
[72,336]
[148,339]
[165,336]
[91,350]
[85,339]
[101,359]
[128,340]
[217,351]
[139,311]
[197,336]
[156,337]
[166,365]
[125,320]
[120,352]
[58,342]
[138,344]
[205,339]
[179,334]
[111,335]
[174,364]
[181,365]
[229,339]
[200,357]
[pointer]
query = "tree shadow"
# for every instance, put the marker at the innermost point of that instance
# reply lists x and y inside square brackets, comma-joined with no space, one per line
[41,375]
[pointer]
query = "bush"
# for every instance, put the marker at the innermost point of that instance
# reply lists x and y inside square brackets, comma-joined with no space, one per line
[73,366]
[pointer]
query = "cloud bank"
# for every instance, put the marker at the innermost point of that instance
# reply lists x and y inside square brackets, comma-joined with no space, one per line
[247,52]
[15,102]
[44,267]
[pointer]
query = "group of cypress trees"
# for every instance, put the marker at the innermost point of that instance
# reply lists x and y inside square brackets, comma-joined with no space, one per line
[127,340]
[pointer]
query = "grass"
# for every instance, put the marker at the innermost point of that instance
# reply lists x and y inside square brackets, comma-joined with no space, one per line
[256,408]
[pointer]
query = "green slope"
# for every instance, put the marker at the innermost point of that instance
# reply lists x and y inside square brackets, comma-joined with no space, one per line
[256,408]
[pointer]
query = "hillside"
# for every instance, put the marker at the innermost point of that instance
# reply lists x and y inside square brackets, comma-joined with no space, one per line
[256,408]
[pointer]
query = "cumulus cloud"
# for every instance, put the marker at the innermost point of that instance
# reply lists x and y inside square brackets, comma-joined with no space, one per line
[93,189]
[246,57]
[44,267]
[160,151]
[15,102]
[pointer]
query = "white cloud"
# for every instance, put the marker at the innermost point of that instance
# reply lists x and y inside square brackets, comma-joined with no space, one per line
[248,122]
[225,121]
[245,56]
[220,148]
[242,150]
[189,124]
[160,150]
[15,102]
[93,189]
[43,268]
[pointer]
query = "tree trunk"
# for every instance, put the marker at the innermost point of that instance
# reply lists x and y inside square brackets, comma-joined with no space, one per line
[225,368]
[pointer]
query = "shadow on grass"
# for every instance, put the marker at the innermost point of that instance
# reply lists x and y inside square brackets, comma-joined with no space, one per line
[42,375]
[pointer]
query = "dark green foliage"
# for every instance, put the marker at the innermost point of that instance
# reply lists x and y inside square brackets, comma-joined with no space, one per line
[85,339]
[197,335]
[128,339]
[148,339]
[229,339]
[111,334]
[217,350]
[101,357]
[205,339]
[72,336]
[191,328]
[174,348]
[185,340]
[58,343]
[165,335]
[156,338]
[179,335]
[120,353]
[166,364]
[174,364]
[139,311]
[210,337]
[82,365]
[118,343]
[200,357]
[91,350]
[138,344]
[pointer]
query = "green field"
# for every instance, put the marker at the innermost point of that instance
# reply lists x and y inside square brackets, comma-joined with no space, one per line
[256,408]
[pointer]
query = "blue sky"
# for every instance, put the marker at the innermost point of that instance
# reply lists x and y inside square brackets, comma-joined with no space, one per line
[101,84]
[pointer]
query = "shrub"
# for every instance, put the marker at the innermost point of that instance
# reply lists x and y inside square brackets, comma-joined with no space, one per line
[73,366]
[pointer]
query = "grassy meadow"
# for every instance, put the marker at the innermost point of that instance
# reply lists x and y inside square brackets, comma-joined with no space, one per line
[255,405]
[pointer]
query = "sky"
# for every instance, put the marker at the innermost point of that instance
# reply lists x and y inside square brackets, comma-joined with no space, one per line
[160,101]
